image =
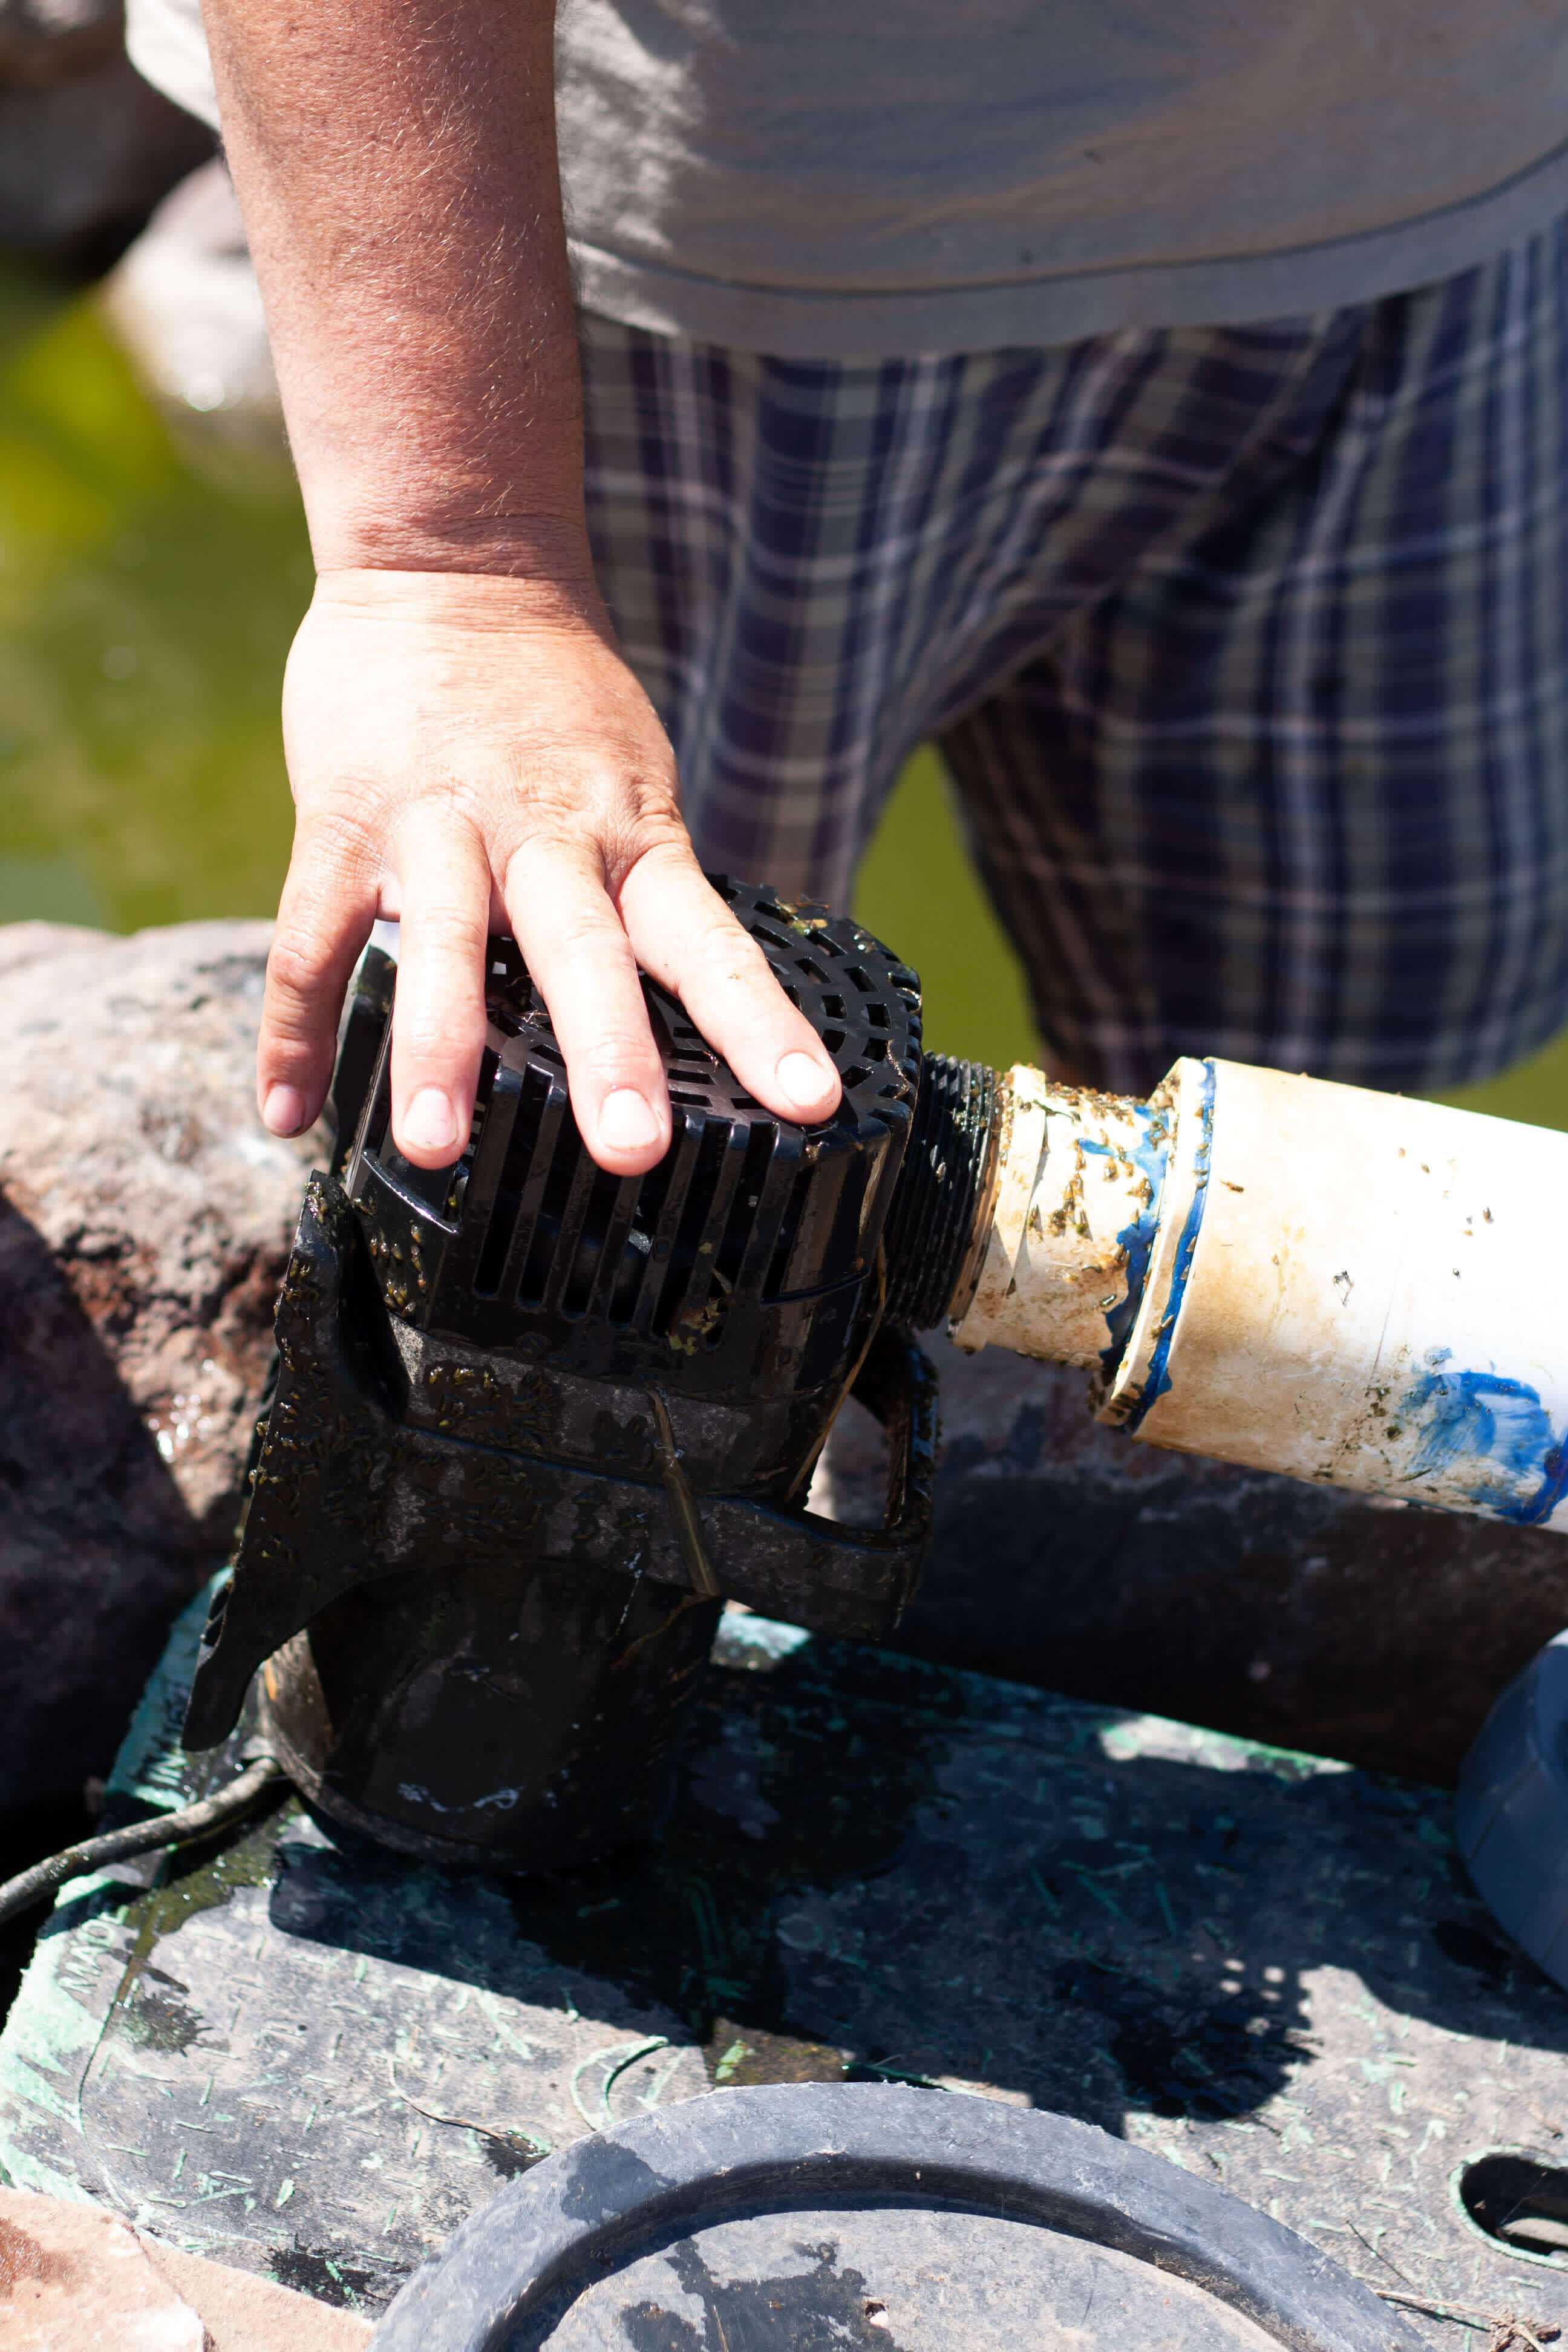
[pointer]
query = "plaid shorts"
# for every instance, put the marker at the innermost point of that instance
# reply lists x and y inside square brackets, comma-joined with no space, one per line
[1246,648]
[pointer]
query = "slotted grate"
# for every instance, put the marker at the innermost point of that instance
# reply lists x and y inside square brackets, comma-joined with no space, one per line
[743,1205]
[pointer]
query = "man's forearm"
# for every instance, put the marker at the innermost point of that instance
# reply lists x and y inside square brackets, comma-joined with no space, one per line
[463,750]
[396,164]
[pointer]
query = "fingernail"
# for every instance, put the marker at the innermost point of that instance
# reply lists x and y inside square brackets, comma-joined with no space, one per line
[802,1079]
[284,1111]
[626,1121]
[428,1122]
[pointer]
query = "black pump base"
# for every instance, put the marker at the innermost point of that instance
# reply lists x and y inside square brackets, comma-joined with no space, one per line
[481,1647]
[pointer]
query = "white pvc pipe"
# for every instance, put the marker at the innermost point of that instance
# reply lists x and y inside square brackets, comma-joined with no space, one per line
[1346,1287]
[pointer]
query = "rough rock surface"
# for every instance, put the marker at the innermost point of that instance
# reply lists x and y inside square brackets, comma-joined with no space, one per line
[74,2278]
[144,1221]
[1067,1555]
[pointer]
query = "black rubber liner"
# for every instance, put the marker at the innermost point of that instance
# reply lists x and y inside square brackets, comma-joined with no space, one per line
[562,2256]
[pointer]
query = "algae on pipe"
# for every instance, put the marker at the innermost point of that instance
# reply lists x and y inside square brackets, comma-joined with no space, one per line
[1074,1210]
[1345,1286]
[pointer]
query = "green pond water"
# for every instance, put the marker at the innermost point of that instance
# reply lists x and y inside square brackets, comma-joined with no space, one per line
[144,618]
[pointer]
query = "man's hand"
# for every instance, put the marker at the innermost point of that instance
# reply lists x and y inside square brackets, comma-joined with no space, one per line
[465,746]
[469,753]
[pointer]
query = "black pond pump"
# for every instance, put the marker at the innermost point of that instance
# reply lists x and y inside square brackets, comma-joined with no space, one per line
[534,1424]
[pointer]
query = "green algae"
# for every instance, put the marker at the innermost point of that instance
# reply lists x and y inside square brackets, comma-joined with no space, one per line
[145,619]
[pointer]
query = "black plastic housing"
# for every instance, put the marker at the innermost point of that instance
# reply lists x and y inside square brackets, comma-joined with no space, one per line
[533,1422]
[743,1254]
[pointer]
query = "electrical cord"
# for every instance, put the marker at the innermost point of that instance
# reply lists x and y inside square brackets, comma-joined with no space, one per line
[229,1804]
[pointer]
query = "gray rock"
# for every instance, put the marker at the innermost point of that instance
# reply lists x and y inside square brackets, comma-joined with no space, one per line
[1069,1556]
[144,1219]
[44,41]
[83,160]
[184,303]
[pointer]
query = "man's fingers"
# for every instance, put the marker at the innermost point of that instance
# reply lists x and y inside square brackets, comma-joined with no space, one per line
[579,951]
[439,1018]
[323,921]
[583,963]
[689,939]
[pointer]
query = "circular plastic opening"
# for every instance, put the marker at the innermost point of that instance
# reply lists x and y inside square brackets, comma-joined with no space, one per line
[1517,2200]
[823,2217]
[869,2280]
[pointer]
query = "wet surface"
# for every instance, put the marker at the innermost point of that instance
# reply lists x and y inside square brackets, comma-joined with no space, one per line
[304,2056]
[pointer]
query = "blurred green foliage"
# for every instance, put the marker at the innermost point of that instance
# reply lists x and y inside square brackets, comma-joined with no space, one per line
[920,893]
[143,622]
[145,619]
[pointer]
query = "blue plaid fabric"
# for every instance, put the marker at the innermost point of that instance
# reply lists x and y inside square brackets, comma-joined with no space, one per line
[1247,646]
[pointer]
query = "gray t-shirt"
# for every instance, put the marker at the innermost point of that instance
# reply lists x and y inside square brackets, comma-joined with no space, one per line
[792,176]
